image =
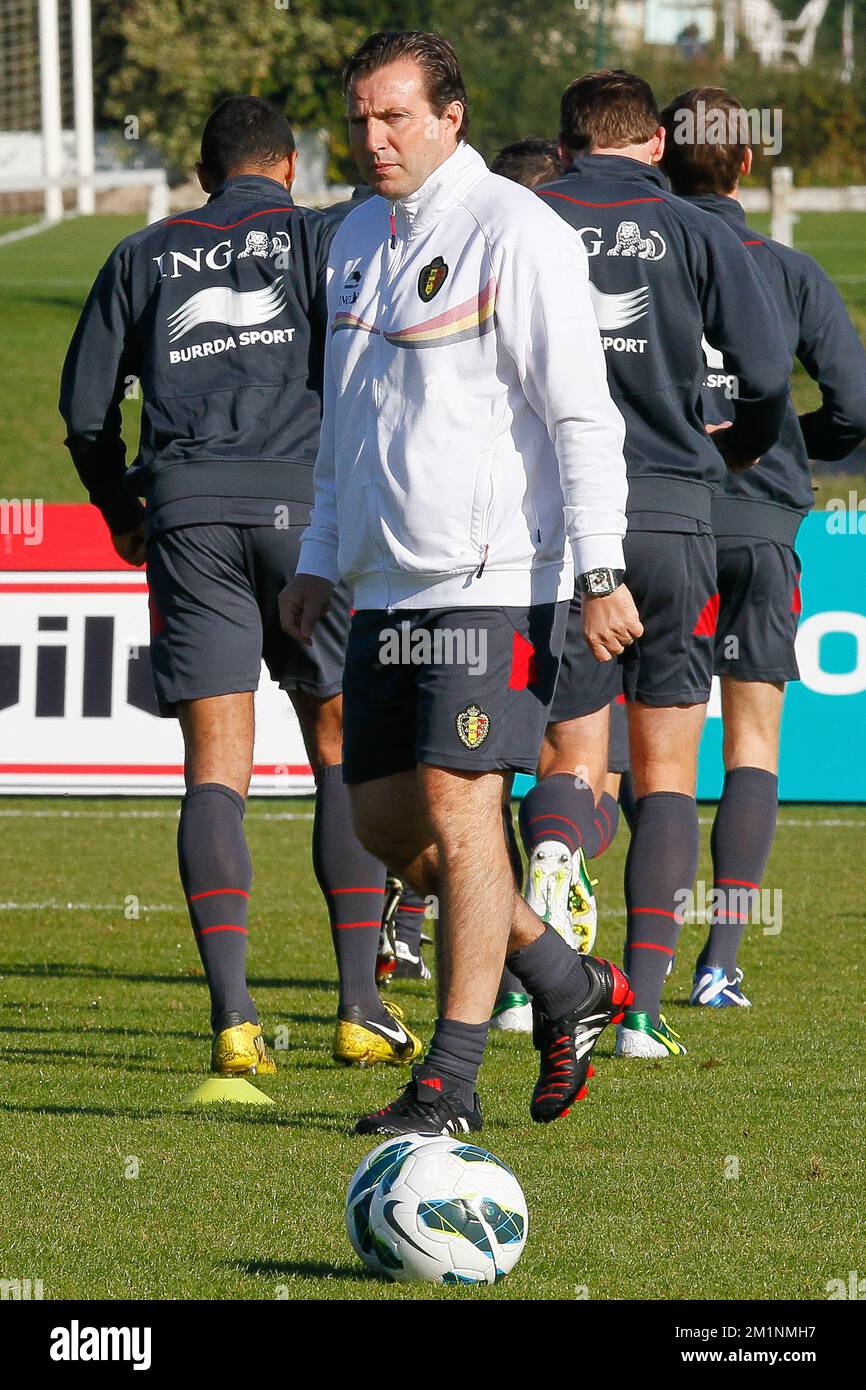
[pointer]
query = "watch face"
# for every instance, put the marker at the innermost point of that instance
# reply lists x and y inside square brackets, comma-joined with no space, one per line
[599,582]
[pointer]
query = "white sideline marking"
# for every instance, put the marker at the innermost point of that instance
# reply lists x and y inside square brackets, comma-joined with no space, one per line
[56,906]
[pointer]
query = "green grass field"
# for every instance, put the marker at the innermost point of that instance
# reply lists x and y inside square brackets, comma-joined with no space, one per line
[44,280]
[104,1032]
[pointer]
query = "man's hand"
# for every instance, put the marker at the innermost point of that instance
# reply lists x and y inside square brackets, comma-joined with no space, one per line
[305,600]
[610,624]
[734,462]
[130,545]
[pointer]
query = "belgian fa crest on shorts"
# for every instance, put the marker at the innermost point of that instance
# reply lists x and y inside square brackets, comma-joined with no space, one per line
[473,726]
[432,278]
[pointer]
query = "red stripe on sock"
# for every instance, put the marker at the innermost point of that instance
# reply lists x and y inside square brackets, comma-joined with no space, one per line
[741,882]
[214,892]
[356,890]
[203,931]
[405,907]
[341,926]
[656,911]
[649,946]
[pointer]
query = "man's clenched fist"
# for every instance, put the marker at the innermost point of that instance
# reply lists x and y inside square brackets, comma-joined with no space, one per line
[305,600]
[610,624]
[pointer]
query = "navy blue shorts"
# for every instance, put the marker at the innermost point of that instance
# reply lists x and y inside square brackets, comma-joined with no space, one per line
[214,593]
[586,685]
[466,688]
[759,607]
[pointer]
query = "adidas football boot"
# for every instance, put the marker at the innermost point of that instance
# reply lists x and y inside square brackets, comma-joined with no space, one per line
[240,1049]
[429,1105]
[714,990]
[582,907]
[638,1036]
[548,887]
[512,1013]
[362,1042]
[566,1044]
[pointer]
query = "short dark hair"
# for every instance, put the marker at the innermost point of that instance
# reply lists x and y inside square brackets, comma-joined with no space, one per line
[529,162]
[244,132]
[693,163]
[433,54]
[607,109]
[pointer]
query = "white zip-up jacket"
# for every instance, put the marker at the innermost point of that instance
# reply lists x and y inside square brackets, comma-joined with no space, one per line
[468,432]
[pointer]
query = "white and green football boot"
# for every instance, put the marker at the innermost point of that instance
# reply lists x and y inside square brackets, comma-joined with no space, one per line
[582,906]
[637,1036]
[548,887]
[512,1013]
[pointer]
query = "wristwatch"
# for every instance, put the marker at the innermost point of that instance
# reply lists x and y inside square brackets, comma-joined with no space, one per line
[599,583]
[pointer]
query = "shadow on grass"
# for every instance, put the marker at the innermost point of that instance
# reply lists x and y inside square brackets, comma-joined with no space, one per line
[302,1269]
[80,970]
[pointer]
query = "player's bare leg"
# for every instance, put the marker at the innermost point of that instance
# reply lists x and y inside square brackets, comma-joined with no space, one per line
[742,834]
[353,885]
[216,872]
[660,865]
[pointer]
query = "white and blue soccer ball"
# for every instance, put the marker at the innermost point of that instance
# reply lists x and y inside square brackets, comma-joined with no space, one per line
[445,1212]
[376,1165]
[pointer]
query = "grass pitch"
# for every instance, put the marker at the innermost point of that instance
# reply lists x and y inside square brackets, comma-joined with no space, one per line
[103,1028]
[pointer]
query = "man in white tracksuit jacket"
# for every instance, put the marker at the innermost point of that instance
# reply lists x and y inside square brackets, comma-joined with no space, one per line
[470,471]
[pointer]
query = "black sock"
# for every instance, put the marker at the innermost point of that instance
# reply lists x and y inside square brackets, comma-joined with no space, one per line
[509,984]
[604,824]
[456,1051]
[353,884]
[409,919]
[217,875]
[627,801]
[551,973]
[661,863]
[559,808]
[741,840]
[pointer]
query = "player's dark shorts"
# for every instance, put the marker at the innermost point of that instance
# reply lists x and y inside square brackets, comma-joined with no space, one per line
[466,688]
[214,593]
[759,605]
[585,685]
[672,579]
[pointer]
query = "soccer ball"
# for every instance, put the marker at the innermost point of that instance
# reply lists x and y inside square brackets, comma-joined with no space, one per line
[446,1212]
[377,1164]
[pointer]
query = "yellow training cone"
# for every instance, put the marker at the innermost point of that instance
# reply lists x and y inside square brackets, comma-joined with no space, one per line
[227,1088]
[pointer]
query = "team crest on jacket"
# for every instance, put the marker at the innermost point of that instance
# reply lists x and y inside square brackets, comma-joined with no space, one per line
[473,726]
[432,278]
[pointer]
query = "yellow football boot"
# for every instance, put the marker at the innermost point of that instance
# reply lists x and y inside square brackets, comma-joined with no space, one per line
[362,1042]
[241,1050]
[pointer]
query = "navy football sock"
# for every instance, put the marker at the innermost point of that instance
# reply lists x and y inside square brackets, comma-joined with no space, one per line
[216,874]
[561,807]
[551,973]
[627,800]
[660,866]
[604,824]
[353,884]
[741,840]
[455,1052]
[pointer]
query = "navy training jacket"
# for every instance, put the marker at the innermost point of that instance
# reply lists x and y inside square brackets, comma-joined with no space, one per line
[771,499]
[663,274]
[219,314]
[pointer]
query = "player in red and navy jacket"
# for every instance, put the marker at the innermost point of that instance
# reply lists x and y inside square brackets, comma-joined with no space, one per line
[756,517]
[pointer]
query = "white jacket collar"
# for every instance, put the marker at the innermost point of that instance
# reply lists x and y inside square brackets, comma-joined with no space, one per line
[443,188]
